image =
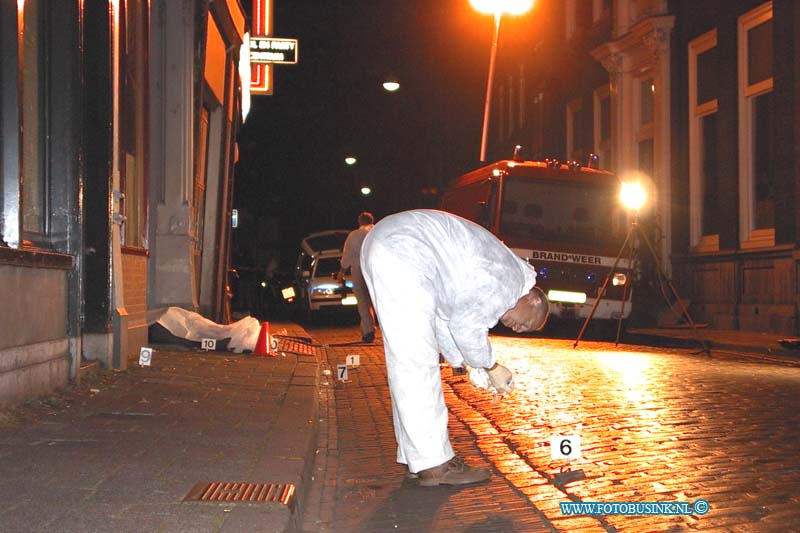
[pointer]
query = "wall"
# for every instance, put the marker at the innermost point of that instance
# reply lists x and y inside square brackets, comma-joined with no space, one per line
[134,273]
[735,288]
[742,291]
[34,349]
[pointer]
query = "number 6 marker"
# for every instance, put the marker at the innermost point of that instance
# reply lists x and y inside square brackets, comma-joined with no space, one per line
[565,447]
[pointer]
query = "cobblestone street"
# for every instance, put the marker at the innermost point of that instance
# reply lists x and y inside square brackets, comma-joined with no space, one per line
[359,487]
[655,425]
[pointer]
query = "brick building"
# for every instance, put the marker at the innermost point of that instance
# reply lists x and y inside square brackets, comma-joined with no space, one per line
[118,124]
[701,98]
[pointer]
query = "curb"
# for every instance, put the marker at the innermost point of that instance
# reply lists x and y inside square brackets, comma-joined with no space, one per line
[298,425]
[758,352]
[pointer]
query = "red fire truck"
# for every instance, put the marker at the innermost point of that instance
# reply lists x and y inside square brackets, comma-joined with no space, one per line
[564,219]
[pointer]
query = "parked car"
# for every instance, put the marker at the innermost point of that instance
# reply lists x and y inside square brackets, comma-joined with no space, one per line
[317,286]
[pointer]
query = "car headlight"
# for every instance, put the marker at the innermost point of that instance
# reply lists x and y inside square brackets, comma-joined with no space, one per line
[619,279]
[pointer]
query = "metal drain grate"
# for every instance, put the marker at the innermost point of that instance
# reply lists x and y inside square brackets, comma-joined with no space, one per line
[218,491]
[292,346]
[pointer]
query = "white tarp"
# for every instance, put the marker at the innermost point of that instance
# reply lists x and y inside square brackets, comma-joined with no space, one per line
[243,334]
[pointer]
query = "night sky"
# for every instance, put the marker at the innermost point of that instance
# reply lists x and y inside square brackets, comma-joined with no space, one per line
[291,178]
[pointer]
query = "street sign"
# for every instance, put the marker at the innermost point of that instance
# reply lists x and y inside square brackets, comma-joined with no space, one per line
[273,50]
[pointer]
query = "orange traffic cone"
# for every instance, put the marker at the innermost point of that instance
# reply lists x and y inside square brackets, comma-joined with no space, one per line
[264,343]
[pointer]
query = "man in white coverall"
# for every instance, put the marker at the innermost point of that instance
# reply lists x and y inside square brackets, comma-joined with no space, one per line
[351,258]
[438,283]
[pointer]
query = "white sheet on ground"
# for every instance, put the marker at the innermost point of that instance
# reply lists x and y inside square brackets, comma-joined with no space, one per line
[243,334]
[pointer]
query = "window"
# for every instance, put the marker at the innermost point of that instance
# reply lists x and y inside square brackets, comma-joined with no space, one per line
[512,116]
[644,132]
[602,126]
[601,9]
[521,119]
[756,118]
[646,90]
[569,18]
[537,128]
[579,14]
[133,116]
[199,203]
[33,191]
[34,188]
[579,130]
[703,174]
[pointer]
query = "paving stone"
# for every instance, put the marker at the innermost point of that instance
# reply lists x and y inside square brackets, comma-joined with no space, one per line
[656,425]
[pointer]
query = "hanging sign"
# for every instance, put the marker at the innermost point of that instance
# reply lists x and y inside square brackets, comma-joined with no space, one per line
[273,50]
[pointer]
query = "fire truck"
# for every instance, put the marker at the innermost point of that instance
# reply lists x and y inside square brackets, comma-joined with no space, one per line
[565,219]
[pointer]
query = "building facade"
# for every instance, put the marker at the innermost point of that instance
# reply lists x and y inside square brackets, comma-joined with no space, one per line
[117,120]
[700,99]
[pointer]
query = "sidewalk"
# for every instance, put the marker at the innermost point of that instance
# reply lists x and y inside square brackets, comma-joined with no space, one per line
[123,451]
[757,345]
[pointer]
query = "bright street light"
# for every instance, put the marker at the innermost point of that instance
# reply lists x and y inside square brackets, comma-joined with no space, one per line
[350,160]
[496,8]
[366,191]
[391,86]
[633,195]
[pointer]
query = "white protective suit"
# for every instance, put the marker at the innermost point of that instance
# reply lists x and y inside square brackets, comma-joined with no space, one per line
[438,283]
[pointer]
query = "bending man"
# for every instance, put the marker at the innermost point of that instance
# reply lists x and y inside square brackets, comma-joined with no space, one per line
[438,283]
[351,258]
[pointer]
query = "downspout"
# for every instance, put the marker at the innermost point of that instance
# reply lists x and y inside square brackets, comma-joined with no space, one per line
[120,315]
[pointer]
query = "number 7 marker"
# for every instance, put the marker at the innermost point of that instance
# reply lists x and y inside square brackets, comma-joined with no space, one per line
[341,371]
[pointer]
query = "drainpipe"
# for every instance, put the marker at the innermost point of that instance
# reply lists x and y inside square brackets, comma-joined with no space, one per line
[119,357]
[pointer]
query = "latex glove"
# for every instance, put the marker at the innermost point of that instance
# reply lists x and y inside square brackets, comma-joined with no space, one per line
[501,378]
[480,379]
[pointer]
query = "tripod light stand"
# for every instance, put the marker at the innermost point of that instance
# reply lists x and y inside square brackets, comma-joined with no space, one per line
[633,196]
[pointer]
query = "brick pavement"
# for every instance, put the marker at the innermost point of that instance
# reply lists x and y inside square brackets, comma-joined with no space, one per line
[120,451]
[358,486]
[656,425]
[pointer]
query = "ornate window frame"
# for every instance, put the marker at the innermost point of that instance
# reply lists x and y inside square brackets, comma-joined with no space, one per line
[749,237]
[698,241]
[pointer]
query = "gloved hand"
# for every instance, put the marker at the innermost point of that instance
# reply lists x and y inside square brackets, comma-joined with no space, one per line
[501,378]
[480,379]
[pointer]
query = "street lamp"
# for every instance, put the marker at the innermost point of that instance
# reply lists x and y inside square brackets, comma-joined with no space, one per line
[350,160]
[390,83]
[496,8]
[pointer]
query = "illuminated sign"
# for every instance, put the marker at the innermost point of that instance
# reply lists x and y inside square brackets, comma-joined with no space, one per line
[261,73]
[269,50]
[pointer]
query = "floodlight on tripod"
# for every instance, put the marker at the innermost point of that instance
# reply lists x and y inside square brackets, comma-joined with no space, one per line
[633,197]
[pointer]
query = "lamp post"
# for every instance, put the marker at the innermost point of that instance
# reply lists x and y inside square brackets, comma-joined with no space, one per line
[496,8]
